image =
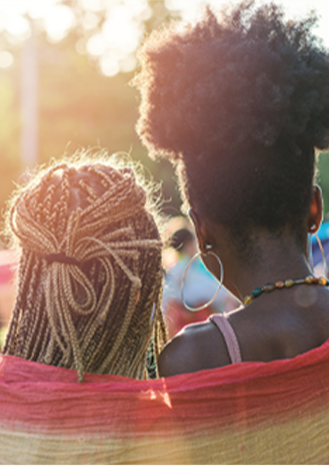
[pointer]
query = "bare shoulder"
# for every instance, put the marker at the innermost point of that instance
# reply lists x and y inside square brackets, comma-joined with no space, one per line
[197,347]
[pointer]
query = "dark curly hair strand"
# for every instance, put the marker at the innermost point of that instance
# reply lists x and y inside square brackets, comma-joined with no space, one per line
[239,105]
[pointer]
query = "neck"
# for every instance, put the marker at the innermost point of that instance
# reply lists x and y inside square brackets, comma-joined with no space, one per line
[276,259]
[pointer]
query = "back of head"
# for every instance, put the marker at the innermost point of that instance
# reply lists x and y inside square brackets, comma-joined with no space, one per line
[90,275]
[239,103]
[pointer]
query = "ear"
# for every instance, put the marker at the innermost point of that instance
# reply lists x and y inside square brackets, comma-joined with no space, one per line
[315,211]
[200,230]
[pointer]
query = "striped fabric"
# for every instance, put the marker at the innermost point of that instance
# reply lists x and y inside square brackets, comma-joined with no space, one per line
[249,413]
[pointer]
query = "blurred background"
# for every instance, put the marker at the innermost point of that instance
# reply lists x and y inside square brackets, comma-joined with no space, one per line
[65,68]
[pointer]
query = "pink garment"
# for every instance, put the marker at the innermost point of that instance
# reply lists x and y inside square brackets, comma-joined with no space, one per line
[229,336]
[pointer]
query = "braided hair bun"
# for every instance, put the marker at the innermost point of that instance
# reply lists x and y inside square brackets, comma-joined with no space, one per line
[90,277]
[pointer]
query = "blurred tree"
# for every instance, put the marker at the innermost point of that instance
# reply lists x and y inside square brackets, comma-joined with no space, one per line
[78,105]
[160,14]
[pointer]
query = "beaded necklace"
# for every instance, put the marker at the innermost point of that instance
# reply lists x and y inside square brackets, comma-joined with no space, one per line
[309,280]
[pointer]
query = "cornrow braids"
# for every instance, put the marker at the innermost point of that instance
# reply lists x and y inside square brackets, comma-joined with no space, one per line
[90,277]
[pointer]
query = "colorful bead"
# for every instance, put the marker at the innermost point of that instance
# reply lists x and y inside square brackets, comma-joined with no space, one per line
[247,300]
[257,292]
[269,287]
[289,283]
[279,284]
[322,281]
[286,284]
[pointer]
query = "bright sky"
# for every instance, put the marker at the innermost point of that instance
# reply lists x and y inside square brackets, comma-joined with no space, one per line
[115,43]
[294,8]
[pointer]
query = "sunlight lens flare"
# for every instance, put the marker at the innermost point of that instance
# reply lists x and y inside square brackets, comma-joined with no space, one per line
[18,26]
[109,65]
[96,45]
[6,59]
[119,38]
[58,21]
[121,31]
[113,43]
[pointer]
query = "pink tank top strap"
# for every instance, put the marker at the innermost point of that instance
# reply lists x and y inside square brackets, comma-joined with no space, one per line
[229,336]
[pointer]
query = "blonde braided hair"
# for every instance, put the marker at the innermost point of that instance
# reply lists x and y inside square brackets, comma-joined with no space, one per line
[99,310]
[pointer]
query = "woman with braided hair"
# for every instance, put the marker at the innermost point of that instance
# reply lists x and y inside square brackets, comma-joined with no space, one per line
[90,275]
[239,103]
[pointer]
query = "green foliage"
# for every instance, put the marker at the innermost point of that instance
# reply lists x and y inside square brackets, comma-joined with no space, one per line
[78,107]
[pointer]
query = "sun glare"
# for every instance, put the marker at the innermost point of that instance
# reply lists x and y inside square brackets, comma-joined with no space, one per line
[6,59]
[190,10]
[18,26]
[120,30]
[114,43]
[59,19]
[118,39]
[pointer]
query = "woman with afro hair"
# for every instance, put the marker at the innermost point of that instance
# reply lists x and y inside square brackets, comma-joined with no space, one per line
[240,104]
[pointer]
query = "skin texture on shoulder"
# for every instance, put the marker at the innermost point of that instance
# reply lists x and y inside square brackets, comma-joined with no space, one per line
[265,331]
[196,347]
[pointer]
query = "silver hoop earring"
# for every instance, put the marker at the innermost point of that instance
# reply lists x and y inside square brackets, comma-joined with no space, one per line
[310,252]
[220,283]
[324,262]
